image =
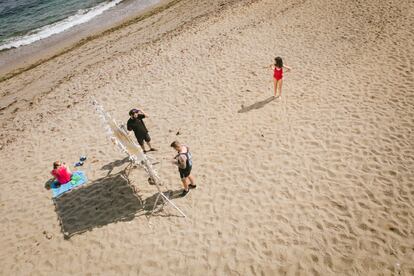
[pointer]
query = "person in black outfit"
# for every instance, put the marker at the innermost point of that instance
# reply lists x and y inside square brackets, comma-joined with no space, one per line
[136,124]
[184,162]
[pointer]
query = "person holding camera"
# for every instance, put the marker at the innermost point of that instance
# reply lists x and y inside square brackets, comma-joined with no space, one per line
[183,160]
[136,124]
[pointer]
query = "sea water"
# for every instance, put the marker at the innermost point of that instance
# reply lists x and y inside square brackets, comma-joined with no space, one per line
[23,22]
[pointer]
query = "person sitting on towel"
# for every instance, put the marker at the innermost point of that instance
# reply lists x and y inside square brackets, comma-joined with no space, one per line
[62,173]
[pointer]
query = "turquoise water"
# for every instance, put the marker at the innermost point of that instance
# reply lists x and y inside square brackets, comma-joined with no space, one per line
[25,21]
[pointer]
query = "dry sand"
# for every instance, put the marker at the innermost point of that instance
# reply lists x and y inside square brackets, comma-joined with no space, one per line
[320,182]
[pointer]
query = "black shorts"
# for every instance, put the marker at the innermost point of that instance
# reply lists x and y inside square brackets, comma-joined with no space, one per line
[185,172]
[142,138]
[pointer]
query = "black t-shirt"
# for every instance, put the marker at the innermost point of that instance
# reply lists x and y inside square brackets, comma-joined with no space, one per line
[137,125]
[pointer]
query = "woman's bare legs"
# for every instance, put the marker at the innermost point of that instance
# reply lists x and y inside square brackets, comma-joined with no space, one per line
[279,87]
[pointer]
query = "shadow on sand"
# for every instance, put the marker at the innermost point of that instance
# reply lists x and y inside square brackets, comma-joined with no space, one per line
[107,200]
[110,166]
[256,105]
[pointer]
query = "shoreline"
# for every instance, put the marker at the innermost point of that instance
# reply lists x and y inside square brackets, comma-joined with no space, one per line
[67,41]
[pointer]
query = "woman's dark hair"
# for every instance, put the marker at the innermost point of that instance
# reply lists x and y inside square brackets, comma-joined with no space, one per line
[56,164]
[279,62]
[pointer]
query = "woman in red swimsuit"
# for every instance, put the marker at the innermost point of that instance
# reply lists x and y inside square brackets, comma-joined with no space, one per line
[278,75]
[62,173]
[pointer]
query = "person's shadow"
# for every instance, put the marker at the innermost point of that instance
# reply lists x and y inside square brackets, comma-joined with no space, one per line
[256,105]
[106,200]
[117,163]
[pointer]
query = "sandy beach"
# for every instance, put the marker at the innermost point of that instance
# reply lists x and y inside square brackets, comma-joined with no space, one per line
[319,182]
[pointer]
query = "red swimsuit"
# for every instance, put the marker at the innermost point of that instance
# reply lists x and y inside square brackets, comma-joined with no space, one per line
[62,175]
[278,73]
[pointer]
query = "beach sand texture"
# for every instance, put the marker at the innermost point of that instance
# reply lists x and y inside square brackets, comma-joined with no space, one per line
[320,182]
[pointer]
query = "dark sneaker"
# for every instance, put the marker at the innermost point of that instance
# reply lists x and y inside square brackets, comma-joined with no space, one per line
[184,193]
[152,149]
[191,186]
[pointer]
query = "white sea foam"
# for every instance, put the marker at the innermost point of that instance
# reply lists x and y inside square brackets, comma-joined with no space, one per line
[80,17]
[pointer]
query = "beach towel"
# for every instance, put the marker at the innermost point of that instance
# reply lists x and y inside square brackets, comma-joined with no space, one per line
[78,179]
